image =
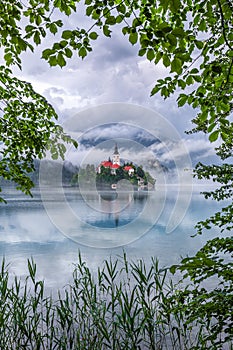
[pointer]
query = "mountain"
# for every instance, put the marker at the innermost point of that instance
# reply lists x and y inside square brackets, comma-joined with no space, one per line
[52,168]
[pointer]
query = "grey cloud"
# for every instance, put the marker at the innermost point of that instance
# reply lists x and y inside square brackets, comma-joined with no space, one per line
[112,51]
[111,73]
[113,131]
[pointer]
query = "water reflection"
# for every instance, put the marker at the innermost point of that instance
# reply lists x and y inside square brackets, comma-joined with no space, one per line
[117,209]
[26,230]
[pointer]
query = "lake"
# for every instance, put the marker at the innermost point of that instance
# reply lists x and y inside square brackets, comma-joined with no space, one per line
[54,225]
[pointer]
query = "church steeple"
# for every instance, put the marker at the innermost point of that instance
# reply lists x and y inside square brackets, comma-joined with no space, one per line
[116,149]
[116,156]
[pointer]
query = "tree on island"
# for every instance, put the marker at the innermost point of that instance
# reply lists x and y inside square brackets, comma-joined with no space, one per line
[107,177]
[193,40]
[121,174]
[89,175]
[140,172]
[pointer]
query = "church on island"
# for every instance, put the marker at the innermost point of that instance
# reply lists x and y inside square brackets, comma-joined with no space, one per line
[111,171]
[115,164]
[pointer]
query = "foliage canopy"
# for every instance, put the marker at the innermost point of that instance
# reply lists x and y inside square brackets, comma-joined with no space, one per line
[192,38]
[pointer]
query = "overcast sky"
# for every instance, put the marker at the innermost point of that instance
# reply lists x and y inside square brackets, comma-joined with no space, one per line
[113,77]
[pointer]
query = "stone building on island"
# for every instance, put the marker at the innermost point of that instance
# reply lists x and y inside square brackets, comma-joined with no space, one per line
[115,164]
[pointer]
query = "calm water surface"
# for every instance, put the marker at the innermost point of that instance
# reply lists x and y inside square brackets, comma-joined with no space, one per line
[54,227]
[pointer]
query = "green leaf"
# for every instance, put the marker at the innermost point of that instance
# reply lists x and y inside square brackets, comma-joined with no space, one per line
[89,10]
[197,78]
[29,28]
[174,5]
[202,26]
[225,107]
[178,32]
[182,99]
[82,52]
[8,58]
[155,90]
[136,22]
[59,23]
[173,269]
[121,8]
[58,3]
[211,127]
[106,31]
[172,40]
[176,65]
[60,60]
[119,19]
[68,52]
[53,28]
[43,32]
[203,116]
[111,20]
[189,80]
[164,4]
[150,54]
[53,60]
[63,43]
[36,38]
[125,30]
[141,52]
[166,61]
[67,34]
[75,143]
[214,136]
[190,99]
[224,136]
[194,71]
[158,57]
[164,27]
[93,35]
[38,20]
[46,53]
[181,83]
[133,38]
[55,155]
[199,44]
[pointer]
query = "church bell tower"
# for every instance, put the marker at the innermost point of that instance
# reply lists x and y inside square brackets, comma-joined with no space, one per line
[116,156]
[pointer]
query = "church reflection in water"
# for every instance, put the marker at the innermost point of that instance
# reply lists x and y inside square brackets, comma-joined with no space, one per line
[119,208]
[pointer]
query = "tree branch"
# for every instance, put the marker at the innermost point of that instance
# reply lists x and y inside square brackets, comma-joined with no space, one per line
[223,25]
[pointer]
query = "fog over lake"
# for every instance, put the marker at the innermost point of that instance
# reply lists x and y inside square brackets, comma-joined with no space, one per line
[98,226]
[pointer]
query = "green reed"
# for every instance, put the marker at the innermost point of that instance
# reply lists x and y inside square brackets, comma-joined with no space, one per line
[126,305]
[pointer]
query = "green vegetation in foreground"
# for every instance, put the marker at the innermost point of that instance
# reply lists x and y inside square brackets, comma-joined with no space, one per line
[127,305]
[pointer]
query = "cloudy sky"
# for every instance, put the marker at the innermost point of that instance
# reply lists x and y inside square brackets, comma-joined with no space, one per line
[107,97]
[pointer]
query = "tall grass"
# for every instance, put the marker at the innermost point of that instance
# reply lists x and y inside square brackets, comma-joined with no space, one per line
[127,305]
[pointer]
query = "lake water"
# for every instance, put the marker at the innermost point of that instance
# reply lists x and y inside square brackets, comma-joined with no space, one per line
[54,225]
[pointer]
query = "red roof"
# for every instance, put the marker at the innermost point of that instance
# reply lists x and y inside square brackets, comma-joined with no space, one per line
[128,167]
[107,164]
[115,166]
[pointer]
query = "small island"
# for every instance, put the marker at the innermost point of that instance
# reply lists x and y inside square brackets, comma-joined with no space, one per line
[110,173]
